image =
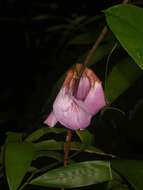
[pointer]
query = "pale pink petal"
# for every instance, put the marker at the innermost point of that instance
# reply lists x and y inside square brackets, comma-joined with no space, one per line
[68,113]
[83,88]
[51,120]
[95,99]
[75,111]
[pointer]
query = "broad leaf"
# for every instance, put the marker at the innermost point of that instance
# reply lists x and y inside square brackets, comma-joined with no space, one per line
[50,145]
[18,157]
[121,77]
[117,182]
[86,137]
[51,154]
[43,131]
[125,22]
[131,170]
[13,137]
[76,175]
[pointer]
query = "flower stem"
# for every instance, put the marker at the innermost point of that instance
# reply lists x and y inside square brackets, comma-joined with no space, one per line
[87,61]
[89,57]
[92,51]
[67,147]
[95,46]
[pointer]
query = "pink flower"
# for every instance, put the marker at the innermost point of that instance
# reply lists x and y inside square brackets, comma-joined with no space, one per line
[75,111]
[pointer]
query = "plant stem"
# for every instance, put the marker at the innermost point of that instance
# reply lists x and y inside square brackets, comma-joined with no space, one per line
[92,51]
[67,147]
[90,56]
[95,46]
[87,61]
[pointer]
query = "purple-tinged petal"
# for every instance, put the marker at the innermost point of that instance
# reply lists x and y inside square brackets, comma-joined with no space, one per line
[83,88]
[51,120]
[95,99]
[68,112]
[75,110]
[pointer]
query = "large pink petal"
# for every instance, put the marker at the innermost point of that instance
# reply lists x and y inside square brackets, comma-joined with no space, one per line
[68,113]
[95,99]
[51,120]
[83,88]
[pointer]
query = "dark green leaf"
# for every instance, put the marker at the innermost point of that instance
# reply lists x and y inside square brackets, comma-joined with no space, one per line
[43,131]
[125,22]
[49,145]
[86,137]
[50,154]
[122,76]
[76,175]
[18,158]
[13,137]
[59,145]
[131,170]
[117,183]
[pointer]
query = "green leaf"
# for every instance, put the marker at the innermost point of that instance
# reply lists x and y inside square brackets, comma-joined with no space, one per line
[13,137]
[43,131]
[95,150]
[50,154]
[50,145]
[76,175]
[117,182]
[125,21]
[131,170]
[122,76]
[86,137]
[18,158]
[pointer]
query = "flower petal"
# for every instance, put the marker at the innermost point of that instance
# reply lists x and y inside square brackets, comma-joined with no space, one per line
[51,120]
[83,88]
[68,112]
[95,99]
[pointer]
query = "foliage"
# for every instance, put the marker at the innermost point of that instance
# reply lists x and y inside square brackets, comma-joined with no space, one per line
[37,158]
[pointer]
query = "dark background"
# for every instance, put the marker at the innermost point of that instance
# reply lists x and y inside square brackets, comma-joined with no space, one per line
[32,60]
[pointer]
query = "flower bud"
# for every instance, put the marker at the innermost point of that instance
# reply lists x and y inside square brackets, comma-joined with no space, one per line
[75,111]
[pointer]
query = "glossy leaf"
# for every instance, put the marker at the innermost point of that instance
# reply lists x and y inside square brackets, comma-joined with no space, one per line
[76,175]
[43,131]
[121,77]
[125,21]
[131,170]
[18,157]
